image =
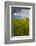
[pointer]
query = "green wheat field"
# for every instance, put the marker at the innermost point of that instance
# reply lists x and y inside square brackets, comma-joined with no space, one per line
[20,27]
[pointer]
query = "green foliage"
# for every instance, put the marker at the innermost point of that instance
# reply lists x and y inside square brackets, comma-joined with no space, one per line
[20,27]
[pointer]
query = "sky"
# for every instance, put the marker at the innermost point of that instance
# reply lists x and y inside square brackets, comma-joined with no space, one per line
[20,12]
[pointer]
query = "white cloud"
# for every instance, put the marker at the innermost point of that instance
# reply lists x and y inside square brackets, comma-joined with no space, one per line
[16,14]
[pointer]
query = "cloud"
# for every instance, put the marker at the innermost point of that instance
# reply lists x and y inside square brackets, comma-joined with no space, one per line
[20,12]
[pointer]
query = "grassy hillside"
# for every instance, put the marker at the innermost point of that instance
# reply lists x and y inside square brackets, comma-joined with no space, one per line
[20,27]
